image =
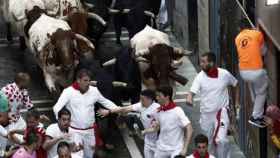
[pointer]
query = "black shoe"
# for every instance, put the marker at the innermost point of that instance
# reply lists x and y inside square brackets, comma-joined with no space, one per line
[259,122]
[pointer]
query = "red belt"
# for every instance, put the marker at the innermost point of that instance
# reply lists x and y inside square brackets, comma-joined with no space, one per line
[98,140]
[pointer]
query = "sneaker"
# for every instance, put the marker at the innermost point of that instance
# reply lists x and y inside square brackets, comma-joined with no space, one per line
[259,122]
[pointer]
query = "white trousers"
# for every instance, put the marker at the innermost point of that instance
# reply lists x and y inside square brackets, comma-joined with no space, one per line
[166,154]
[163,15]
[215,128]
[87,138]
[149,152]
[258,82]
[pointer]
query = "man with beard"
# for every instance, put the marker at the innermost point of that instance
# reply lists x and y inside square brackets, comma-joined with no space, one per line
[212,85]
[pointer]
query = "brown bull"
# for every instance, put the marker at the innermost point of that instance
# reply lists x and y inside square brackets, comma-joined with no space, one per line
[53,44]
[162,65]
[78,22]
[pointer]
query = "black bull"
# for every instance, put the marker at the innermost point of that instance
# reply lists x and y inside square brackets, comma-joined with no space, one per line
[125,70]
[135,20]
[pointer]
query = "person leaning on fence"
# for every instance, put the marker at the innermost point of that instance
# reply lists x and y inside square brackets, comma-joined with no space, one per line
[212,85]
[250,48]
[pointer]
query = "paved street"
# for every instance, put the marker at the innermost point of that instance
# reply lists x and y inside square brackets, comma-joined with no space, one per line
[12,60]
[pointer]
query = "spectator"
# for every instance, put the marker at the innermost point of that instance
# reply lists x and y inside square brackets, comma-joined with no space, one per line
[64,151]
[201,151]
[147,109]
[212,85]
[28,149]
[79,99]
[250,44]
[58,132]
[4,119]
[18,99]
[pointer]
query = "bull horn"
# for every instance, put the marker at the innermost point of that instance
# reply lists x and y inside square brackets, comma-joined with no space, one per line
[119,84]
[97,17]
[141,59]
[176,63]
[182,52]
[149,13]
[113,11]
[88,42]
[88,5]
[178,78]
[93,83]
[65,18]
[142,52]
[126,11]
[110,62]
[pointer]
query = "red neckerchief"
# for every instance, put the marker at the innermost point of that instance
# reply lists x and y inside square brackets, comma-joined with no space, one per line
[76,86]
[213,72]
[169,106]
[197,155]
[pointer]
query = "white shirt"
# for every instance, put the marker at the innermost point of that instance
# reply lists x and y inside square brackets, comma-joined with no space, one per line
[81,105]
[147,116]
[191,156]
[73,155]
[213,91]
[172,123]
[54,132]
[3,131]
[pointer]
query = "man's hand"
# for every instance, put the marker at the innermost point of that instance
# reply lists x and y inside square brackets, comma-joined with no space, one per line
[103,112]
[189,98]
[44,119]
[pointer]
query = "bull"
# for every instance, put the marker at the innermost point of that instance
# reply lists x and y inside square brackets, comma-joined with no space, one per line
[52,43]
[156,58]
[133,15]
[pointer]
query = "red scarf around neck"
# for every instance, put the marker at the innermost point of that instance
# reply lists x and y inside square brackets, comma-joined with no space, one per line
[76,86]
[212,72]
[169,106]
[197,155]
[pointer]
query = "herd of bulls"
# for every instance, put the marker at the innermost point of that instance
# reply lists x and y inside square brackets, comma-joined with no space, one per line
[62,35]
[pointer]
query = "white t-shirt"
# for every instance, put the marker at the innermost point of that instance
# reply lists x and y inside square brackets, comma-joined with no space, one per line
[81,105]
[73,155]
[147,116]
[191,156]
[172,123]
[54,131]
[213,91]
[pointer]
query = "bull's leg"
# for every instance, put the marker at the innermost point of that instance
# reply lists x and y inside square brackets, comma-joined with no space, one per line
[9,32]
[49,82]
[118,28]
[22,43]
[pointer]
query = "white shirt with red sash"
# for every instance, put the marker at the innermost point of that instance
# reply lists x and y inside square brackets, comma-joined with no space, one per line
[81,105]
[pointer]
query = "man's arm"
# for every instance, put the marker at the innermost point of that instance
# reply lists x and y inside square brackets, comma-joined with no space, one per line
[49,142]
[154,128]
[62,101]
[106,102]
[187,139]
[190,96]
[126,109]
